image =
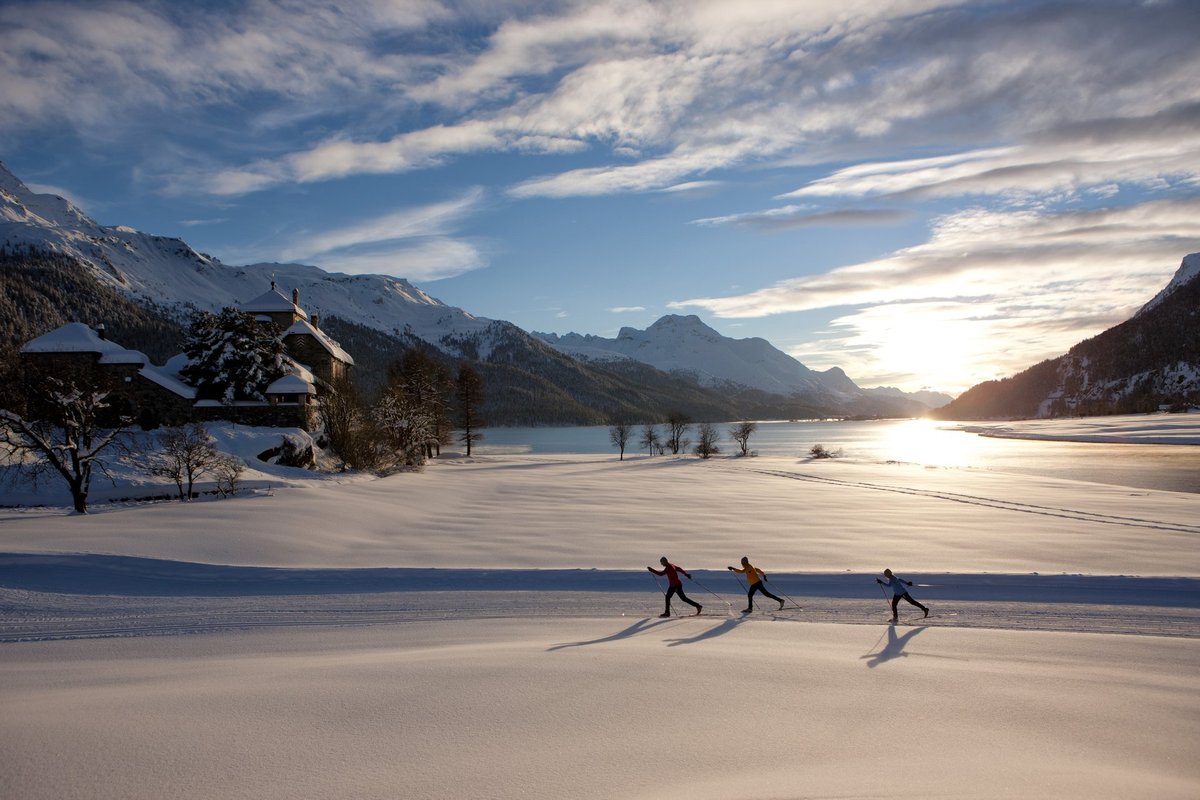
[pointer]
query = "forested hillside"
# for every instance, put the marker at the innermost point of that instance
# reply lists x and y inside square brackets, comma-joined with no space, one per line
[40,291]
[1146,362]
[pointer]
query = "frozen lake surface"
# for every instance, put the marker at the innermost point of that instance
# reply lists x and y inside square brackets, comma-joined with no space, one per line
[1125,451]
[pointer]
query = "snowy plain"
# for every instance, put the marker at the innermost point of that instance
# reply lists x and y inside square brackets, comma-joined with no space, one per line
[486,627]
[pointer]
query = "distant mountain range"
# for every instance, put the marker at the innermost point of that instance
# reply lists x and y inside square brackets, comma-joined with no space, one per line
[684,345]
[1147,363]
[47,243]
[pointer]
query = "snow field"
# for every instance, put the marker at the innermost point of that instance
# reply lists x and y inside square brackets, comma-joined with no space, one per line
[595,512]
[644,708]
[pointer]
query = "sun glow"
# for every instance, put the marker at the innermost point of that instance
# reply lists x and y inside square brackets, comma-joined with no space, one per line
[930,442]
[942,349]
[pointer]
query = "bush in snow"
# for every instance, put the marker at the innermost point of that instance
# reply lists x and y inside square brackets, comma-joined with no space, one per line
[706,445]
[819,451]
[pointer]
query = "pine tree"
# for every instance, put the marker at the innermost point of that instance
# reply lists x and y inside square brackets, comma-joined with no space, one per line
[469,392]
[233,356]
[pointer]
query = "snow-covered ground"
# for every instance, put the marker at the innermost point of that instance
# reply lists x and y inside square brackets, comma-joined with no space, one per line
[487,628]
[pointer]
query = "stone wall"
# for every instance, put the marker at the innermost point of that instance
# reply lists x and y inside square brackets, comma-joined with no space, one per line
[271,415]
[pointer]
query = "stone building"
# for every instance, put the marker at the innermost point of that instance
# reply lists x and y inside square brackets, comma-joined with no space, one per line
[303,339]
[154,395]
[149,394]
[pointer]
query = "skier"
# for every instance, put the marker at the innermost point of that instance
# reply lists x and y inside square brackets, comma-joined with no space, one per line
[756,578]
[899,592]
[675,585]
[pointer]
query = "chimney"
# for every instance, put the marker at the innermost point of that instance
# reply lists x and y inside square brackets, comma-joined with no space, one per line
[295,297]
[315,319]
[100,331]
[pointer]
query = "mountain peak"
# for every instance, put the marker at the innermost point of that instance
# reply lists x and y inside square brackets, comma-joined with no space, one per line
[1189,270]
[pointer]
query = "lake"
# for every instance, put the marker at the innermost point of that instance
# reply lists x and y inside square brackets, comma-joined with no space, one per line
[936,444]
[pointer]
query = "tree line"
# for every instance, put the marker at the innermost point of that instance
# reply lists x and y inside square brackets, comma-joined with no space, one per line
[675,436]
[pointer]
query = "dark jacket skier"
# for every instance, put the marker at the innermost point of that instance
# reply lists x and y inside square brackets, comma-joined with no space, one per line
[674,585]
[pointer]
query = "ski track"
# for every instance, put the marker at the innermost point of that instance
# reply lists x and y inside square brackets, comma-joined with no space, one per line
[27,616]
[1006,505]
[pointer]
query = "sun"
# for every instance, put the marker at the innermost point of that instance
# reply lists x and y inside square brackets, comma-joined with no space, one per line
[937,349]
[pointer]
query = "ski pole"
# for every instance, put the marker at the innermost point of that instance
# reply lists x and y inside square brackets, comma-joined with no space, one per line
[714,594]
[882,592]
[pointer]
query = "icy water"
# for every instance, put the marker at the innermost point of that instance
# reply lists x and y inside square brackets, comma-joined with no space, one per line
[936,444]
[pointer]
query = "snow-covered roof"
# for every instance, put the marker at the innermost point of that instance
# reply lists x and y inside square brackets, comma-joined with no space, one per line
[291,384]
[303,328]
[74,337]
[272,301]
[124,357]
[156,375]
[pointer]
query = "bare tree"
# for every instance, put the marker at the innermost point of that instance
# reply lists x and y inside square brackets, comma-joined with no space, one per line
[650,439]
[619,435]
[228,472]
[469,392]
[706,445]
[677,426]
[741,432]
[186,453]
[66,439]
[349,428]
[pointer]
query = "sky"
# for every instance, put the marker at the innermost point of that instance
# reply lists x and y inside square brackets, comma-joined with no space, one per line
[926,193]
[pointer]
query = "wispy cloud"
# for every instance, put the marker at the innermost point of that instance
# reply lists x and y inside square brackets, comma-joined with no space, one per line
[415,243]
[626,309]
[1164,147]
[793,216]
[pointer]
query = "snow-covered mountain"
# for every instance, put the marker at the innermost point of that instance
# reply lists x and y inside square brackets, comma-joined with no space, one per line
[1189,270]
[684,344]
[167,272]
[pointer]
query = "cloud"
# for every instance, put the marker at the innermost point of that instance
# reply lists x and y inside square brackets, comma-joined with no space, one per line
[1003,287]
[802,217]
[626,309]
[977,252]
[657,94]
[1098,156]
[413,243]
[426,259]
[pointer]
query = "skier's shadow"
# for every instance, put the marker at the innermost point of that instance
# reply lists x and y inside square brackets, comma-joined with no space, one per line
[713,632]
[894,647]
[641,626]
